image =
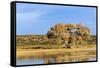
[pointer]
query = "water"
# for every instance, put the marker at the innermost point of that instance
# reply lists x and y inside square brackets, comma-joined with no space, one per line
[51,60]
[29,61]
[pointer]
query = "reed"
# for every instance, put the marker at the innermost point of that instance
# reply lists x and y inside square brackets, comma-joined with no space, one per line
[40,53]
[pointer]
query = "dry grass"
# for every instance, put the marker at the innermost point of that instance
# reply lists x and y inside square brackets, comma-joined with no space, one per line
[30,53]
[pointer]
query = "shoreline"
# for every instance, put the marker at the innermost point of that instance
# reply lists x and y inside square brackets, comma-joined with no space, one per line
[29,53]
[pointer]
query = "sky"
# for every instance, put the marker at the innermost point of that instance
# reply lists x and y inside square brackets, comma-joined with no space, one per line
[39,18]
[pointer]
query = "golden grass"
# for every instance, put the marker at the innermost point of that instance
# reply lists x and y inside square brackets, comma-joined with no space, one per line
[30,53]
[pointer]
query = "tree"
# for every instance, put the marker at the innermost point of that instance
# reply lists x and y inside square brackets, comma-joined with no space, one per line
[69,33]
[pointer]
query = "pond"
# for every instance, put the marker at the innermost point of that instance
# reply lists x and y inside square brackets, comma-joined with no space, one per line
[61,58]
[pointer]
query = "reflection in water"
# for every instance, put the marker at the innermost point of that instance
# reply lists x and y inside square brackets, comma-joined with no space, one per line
[29,61]
[59,58]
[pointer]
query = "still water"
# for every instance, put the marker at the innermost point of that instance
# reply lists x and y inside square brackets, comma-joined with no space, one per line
[66,57]
[41,61]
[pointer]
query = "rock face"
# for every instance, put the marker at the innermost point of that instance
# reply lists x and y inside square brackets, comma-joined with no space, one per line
[70,33]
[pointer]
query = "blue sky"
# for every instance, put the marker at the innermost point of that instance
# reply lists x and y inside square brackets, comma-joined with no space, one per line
[38,18]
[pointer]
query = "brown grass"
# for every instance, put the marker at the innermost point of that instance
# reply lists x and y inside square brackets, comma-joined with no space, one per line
[30,53]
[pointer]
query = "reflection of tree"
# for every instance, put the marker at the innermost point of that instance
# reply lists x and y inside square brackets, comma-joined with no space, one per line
[69,33]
